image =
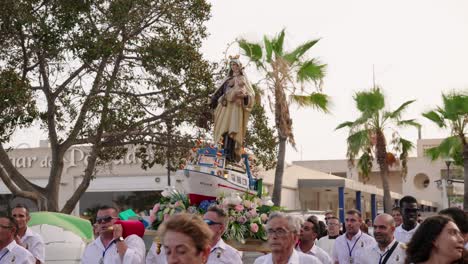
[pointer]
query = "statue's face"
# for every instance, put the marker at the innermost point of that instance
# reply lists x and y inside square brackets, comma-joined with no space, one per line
[235,67]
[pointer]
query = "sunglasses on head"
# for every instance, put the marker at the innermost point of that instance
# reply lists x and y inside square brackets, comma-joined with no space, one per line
[104,219]
[210,222]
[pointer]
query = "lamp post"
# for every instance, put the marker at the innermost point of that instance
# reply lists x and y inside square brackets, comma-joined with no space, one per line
[448,163]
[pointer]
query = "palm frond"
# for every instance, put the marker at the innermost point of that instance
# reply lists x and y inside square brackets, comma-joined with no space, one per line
[311,70]
[278,43]
[299,51]
[435,117]
[370,101]
[251,50]
[345,124]
[268,48]
[455,105]
[409,122]
[364,165]
[449,147]
[357,141]
[318,101]
[397,113]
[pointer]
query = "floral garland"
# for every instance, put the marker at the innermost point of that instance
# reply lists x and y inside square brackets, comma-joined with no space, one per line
[247,213]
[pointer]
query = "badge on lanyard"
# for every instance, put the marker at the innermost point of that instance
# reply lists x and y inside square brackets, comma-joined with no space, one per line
[351,260]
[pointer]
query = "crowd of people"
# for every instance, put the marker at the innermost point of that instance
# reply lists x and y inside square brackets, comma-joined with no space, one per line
[188,238]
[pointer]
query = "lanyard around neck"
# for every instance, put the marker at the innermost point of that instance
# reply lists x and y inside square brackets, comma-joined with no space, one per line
[4,255]
[108,246]
[350,250]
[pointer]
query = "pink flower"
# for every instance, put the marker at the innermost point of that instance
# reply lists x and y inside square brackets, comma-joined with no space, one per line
[177,204]
[156,208]
[239,208]
[254,227]
[153,212]
[241,219]
[248,204]
[253,212]
[166,216]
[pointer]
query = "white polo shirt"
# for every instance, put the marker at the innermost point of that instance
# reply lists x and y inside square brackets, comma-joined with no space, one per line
[224,253]
[96,251]
[295,258]
[316,251]
[403,236]
[14,253]
[375,255]
[34,244]
[355,247]
[326,243]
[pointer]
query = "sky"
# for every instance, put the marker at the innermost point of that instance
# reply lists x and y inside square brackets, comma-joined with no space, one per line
[418,50]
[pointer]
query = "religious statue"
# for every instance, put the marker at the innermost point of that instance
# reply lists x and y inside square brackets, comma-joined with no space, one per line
[232,101]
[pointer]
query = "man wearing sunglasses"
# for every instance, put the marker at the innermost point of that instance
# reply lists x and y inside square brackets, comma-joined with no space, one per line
[409,212]
[283,232]
[110,247]
[26,238]
[10,251]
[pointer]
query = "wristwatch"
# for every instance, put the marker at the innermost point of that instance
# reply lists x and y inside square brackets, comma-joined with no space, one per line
[120,239]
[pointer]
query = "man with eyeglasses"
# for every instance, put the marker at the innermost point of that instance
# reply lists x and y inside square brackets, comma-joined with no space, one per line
[217,220]
[10,251]
[110,247]
[409,212]
[307,237]
[27,238]
[328,242]
[349,248]
[283,231]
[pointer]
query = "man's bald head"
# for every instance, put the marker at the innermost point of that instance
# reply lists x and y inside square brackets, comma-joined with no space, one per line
[387,218]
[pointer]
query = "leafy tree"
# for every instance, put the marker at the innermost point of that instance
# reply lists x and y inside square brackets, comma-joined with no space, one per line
[452,114]
[286,75]
[100,74]
[367,137]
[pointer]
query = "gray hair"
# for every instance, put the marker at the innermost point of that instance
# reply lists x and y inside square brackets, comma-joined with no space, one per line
[294,222]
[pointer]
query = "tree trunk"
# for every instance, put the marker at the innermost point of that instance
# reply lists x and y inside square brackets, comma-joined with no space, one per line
[279,172]
[465,168]
[383,166]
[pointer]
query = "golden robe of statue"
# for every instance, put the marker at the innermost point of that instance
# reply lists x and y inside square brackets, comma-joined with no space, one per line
[233,100]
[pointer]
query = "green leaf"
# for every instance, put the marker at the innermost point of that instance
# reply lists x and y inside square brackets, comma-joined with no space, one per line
[455,105]
[449,147]
[365,164]
[251,50]
[370,101]
[397,113]
[435,117]
[278,43]
[268,48]
[297,53]
[311,70]
[318,101]
[345,124]
[409,122]
[357,141]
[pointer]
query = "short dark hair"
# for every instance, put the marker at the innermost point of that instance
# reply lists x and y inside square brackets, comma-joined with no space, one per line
[396,208]
[220,212]
[107,207]
[354,211]
[407,199]
[421,244]
[313,219]
[20,205]
[11,222]
[334,217]
[458,216]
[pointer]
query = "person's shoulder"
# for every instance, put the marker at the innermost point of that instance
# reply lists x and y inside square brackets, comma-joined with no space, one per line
[262,259]
[306,258]
[19,250]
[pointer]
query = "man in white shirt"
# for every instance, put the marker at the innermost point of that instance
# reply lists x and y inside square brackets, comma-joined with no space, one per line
[110,247]
[387,250]
[307,237]
[328,242]
[27,238]
[10,252]
[283,231]
[409,212]
[349,248]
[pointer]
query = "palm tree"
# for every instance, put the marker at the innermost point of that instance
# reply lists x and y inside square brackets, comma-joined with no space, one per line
[286,75]
[453,114]
[367,138]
